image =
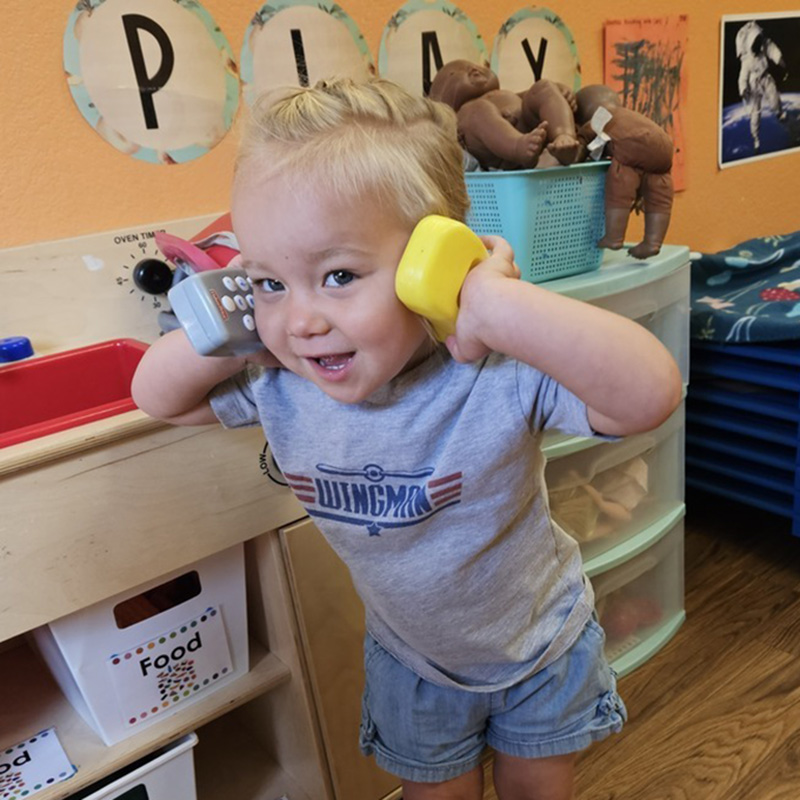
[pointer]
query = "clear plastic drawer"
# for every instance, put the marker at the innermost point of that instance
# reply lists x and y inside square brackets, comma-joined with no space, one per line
[662,307]
[605,493]
[654,293]
[640,600]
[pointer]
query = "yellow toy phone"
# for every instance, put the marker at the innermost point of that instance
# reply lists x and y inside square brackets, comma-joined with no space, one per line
[437,258]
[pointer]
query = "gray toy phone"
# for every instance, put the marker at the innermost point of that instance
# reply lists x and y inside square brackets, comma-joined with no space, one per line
[215,309]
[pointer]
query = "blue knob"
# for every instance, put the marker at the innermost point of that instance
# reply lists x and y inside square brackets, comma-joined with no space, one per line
[15,348]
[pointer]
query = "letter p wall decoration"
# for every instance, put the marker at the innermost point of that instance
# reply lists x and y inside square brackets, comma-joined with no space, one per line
[155,78]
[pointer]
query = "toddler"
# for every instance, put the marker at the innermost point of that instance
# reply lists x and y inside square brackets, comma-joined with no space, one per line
[421,462]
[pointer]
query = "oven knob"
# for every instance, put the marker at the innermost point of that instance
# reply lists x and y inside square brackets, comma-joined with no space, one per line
[153,276]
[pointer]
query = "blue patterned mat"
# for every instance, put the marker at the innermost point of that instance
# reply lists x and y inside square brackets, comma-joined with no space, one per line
[750,293]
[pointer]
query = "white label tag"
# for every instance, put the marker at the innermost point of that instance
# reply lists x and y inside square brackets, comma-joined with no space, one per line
[171,667]
[33,765]
[597,146]
[600,119]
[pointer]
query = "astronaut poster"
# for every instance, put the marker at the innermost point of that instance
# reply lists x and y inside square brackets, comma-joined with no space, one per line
[759,114]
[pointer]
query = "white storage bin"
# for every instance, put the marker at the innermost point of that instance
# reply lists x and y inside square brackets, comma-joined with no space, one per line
[639,598]
[166,774]
[604,493]
[129,661]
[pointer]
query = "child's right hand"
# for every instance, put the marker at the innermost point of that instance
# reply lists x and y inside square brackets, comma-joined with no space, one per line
[477,300]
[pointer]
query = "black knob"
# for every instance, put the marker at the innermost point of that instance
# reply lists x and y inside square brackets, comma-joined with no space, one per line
[153,276]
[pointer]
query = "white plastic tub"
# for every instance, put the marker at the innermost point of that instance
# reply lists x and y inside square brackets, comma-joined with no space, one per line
[166,774]
[131,660]
[654,293]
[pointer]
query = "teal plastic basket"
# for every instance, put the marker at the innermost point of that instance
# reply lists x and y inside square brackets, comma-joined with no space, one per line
[553,218]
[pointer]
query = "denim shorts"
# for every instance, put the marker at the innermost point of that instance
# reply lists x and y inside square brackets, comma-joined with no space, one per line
[427,733]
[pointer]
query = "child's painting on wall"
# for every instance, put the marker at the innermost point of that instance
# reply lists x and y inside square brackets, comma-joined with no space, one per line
[645,63]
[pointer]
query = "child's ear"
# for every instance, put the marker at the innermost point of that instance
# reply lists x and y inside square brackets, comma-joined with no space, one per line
[437,258]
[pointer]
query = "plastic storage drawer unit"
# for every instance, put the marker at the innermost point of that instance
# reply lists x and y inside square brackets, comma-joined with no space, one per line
[166,774]
[639,592]
[604,494]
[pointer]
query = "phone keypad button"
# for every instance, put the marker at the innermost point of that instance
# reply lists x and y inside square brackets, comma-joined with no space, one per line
[228,303]
[249,322]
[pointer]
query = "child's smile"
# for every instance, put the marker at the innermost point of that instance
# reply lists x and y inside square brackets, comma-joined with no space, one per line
[334,367]
[323,271]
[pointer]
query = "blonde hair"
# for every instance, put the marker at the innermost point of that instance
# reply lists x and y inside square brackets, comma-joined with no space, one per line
[360,138]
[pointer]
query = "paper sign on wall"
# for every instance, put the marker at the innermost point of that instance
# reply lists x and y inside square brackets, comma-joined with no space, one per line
[759,86]
[645,63]
[33,765]
[171,667]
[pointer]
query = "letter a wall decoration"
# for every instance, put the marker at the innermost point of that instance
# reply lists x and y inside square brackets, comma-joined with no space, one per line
[423,36]
[155,78]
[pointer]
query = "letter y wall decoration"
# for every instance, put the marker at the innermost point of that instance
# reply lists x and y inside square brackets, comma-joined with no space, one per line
[532,45]
[155,78]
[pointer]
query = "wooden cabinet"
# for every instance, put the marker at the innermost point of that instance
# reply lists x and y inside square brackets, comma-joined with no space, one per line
[88,514]
[331,624]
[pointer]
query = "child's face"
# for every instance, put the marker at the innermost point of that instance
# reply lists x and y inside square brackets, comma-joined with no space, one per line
[323,272]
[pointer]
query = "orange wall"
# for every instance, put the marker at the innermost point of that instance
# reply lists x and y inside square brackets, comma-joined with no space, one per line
[59,179]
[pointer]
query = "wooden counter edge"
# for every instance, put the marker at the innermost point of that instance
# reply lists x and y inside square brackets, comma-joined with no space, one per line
[40,451]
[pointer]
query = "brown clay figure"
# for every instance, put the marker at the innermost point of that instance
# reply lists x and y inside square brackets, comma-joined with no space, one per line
[640,174]
[503,129]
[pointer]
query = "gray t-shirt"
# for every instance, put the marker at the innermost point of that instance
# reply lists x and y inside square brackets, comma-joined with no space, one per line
[432,493]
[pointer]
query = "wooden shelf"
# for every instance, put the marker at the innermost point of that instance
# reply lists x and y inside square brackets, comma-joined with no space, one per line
[229,763]
[33,702]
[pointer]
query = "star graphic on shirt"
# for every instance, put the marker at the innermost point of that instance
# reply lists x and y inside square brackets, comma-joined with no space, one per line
[374,529]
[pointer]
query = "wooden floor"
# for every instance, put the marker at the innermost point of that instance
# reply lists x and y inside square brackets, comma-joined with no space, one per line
[716,714]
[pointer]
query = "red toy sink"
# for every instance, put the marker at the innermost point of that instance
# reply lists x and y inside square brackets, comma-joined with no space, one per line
[52,393]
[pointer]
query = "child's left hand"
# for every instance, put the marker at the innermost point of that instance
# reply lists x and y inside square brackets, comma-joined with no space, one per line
[476,298]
